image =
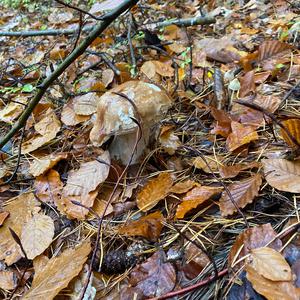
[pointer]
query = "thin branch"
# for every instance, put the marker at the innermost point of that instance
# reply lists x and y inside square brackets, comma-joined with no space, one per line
[107,20]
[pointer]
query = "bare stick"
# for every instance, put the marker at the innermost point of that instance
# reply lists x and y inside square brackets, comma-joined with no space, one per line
[107,20]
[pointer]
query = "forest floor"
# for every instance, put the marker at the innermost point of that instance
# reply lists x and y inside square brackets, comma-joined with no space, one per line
[152,153]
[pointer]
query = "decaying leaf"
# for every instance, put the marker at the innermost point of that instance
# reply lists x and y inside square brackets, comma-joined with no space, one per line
[40,165]
[86,104]
[8,280]
[20,209]
[149,226]
[37,235]
[195,197]
[183,186]
[252,238]
[48,187]
[234,170]
[282,174]
[153,277]
[57,273]
[223,126]
[293,126]
[81,186]
[242,193]
[69,117]
[168,140]
[3,216]
[46,129]
[12,110]
[211,163]
[272,290]
[270,264]
[155,190]
[240,136]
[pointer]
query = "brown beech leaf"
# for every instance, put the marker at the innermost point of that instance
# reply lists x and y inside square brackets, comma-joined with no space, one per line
[155,190]
[86,104]
[48,187]
[241,135]
[213,161]
[40,165]
[223,126]
[195,197]
[247,84]
[37,235]
[69,117]
[293,126]
[20,209]
[149,226]
[57,273]
[243,192]
[153,277]
[234,170]
[3,216]
[269,49]
[270,264]
[272,290]
[183,186]
[8,280]
[282,174]
[252,238]
[13,109]
[46,129]
[168,140]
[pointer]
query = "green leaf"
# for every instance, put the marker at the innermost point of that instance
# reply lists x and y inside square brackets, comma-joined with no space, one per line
[28,88]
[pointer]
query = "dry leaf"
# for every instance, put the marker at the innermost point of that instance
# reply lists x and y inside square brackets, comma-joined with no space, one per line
[232,171]
[183,187]
[86,104]
[155,190]
[269,49]
[213,161]
[241,135]
[8,280]
[149,226]
[293,126]
[57,273]
[168,140]
[242,193]
[223,126]
[37,235]
[270,264]
[69,117]
[252,238]
[153,277]
[107,77]
[3,216]
[48,187]
[47,129]
[195,197]
[247,84]
[20,209]
[282,174]
[12,110]
[272,290]
[59,16]
[40,165]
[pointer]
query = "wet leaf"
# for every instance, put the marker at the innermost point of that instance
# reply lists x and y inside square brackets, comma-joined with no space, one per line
[223,126]
[183,186]
[57,273]
[270,264]
[272,290]
[252,238]
[153,277]
[243,192]
[155,190]
[3,216]
[211,163]
[247,84]
[282,174]
[168,140]
[20,209]
[241,135]
[293,126]
[234,170]
[37,235]
[149,226]
[195,197]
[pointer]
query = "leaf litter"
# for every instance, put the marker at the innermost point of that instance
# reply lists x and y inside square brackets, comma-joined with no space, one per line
[139,175]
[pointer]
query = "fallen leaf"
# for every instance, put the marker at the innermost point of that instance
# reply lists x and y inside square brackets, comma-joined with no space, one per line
[242,193]
[252,238]
[8,280]
[20,209]
[195,197]
[37,235]
[12,110]
[282,174]
[46,129]
[107,77]
[86,104]
[48,187]
[155,190]
[164,68]
[69,117]
[3,216]
[211,163]
[168,140]
[57,273]
[153,277]
[223,126]
[234,170]
[99,7]
[59,16]
[269,49]
[183,186]
[149,226]
[247,84]
[270,264]
[41,165]
[241,135]
[293,126]
[272,290]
